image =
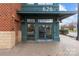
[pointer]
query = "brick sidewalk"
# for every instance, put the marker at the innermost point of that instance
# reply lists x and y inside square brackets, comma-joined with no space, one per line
[67,47]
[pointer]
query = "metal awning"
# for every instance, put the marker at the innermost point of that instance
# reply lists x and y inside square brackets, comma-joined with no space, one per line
[47,15]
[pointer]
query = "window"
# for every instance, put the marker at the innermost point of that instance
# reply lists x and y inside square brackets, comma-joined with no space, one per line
[45,20]
[31,20]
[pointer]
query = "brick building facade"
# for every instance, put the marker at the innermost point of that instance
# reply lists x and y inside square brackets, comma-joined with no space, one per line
[9,25]
[14,23]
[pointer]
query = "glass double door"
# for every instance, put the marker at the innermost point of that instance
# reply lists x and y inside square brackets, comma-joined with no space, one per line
[45,31]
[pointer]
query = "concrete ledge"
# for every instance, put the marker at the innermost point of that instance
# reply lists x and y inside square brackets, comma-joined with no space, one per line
[19,36]
[7,39]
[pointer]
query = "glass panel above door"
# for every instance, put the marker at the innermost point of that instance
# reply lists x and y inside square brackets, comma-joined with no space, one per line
[45,20]
[31,20]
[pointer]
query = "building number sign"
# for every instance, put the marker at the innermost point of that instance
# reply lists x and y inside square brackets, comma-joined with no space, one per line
[50,8]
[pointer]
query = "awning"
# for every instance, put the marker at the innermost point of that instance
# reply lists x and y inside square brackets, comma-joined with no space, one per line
[47,15]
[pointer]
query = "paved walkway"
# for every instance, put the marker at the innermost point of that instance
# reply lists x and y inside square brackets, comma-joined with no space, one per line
[67,47]
[72,34]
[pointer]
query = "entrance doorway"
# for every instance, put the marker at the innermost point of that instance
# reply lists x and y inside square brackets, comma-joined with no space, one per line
[45,31]
[37,29]
[31,31]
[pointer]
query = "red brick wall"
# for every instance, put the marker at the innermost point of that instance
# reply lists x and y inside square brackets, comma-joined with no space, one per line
[9,20]
[8,16]
[15,19]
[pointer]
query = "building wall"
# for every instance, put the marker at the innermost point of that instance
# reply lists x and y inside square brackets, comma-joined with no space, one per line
[9,25]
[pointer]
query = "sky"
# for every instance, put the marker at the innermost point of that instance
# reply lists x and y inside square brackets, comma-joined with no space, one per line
[68,7]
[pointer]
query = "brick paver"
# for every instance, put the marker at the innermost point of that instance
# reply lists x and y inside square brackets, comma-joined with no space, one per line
[67,46]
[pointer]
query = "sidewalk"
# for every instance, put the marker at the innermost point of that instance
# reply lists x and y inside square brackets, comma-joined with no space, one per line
[66,47]
[72,34]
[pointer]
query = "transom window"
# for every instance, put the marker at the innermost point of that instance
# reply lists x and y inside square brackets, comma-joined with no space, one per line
[31,20]
[40,20]
[45,20]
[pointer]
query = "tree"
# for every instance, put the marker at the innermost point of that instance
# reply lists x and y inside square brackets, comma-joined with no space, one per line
[71,26]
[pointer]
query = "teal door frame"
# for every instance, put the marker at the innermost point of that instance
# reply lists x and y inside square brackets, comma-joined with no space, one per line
[24,29]
[55,30]
[36,29]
